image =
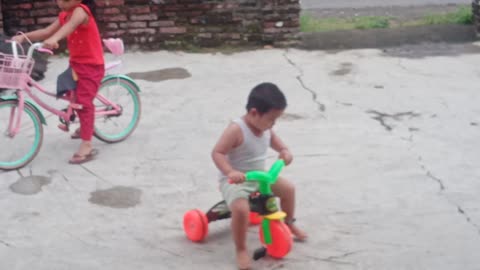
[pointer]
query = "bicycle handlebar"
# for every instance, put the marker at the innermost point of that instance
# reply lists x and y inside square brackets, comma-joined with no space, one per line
[39,47]
[45,50]
[265,179]
[35,46]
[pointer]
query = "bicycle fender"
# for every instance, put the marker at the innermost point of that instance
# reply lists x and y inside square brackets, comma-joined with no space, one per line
[121,77]
[33,105]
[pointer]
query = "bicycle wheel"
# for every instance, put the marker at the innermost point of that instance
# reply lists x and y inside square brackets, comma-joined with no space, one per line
[117,127]
[19,150]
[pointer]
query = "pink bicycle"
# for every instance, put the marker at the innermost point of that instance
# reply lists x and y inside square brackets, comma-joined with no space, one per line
[117,107]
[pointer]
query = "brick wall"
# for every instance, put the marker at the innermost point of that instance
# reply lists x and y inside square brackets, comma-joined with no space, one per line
[175,23]
[1,19]
[476,16]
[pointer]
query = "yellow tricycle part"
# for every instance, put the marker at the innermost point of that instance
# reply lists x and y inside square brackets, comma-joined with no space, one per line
[276,216]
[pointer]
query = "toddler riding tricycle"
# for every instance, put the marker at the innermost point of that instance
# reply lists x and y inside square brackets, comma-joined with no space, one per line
[274,233]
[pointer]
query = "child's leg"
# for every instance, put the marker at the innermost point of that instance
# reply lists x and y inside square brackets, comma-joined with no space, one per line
[89,79]
[240,219]
[236,197]
[285,190]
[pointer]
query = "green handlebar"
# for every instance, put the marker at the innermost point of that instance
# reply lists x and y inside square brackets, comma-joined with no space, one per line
[266,179]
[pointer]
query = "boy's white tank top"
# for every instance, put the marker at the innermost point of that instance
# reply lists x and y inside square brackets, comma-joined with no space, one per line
[252,153]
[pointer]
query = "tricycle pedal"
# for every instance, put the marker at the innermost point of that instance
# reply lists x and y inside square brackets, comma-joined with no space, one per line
[259,253]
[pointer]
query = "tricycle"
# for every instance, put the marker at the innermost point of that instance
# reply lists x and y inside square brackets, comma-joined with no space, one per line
[274,234]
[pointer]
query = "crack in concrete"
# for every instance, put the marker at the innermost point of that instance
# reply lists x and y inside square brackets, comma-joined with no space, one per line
[467,217]
[321,107]
[278,266]
[332,258]
[5,243]
[415,72]
[439,181]
[430,175]
[94,174]
[381,117]
[329,260]
[75,237]
[441,185]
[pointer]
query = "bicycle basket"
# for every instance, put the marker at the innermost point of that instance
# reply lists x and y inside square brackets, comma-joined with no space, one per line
[14,71]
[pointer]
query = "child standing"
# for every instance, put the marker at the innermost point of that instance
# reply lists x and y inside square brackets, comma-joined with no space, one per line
[243,147]
[76,23]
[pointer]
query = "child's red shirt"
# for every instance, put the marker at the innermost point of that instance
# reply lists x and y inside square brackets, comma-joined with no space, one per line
[84,44]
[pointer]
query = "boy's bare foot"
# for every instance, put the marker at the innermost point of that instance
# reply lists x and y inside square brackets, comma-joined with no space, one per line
[243,260]
[299,234]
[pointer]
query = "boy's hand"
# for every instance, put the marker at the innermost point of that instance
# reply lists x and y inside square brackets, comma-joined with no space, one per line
[236,177]
[18,39]
[51,44]
[286,156]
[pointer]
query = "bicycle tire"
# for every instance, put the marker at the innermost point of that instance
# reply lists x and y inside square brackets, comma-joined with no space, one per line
[37,139]
[121,135]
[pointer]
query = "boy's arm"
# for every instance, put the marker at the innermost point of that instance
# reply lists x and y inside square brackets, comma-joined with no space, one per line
[278,145]
[230,139]
[39,34]
[79,16]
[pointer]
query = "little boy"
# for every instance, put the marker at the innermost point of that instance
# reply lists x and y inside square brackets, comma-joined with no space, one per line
[243,147]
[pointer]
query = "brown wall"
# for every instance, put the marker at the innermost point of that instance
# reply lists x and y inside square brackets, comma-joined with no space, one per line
[175,23]
[1,20]
[476,15]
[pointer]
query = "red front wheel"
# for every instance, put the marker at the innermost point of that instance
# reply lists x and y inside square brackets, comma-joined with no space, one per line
[195,225]
[281,239]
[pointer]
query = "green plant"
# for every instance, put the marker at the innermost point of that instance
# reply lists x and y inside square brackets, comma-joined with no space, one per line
[311,24]
[463,15]
[308,23]
[371,22]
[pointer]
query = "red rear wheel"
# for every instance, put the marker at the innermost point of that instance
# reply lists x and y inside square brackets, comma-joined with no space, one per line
[195,225]
[281,239]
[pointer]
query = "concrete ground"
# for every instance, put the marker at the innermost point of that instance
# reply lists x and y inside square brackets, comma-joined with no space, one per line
[386,165]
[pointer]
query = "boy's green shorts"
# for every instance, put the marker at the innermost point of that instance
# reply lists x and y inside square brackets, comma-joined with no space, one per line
[231,192]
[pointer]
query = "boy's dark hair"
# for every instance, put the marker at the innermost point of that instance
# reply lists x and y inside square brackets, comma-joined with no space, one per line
[92,6]
[266,97]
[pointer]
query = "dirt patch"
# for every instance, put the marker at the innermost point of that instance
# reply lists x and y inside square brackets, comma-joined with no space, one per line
[116,197]
[161,75]
[30,185]
[344,69]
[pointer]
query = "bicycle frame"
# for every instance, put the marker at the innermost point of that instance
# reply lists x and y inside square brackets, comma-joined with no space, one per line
[29,84]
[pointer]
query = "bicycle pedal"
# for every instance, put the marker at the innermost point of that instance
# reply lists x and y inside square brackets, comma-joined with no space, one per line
[259,253]
[63,127]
